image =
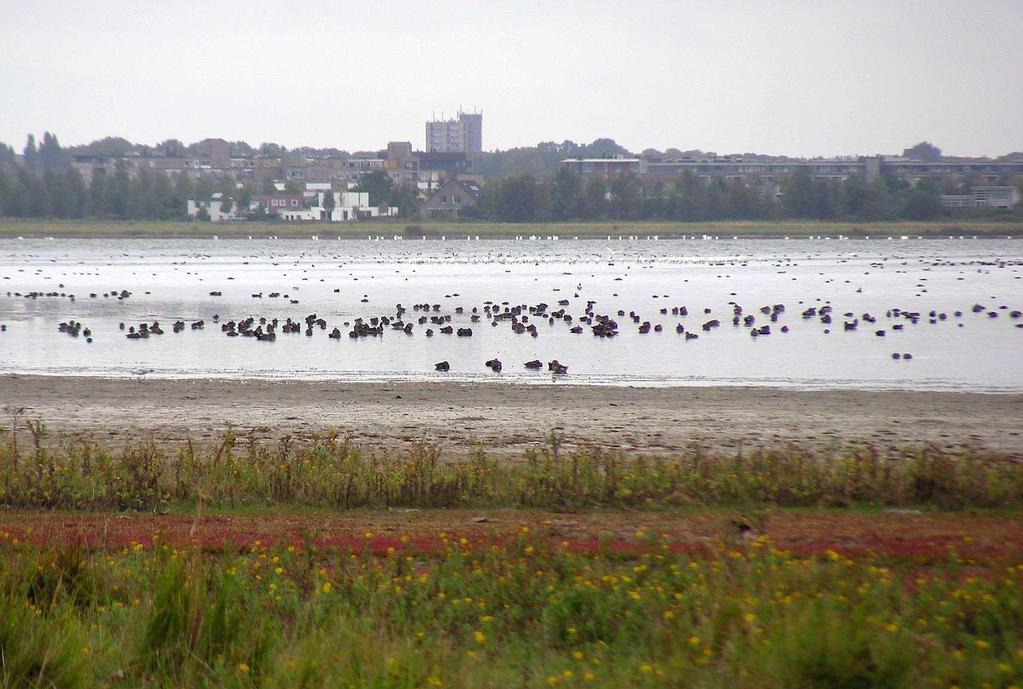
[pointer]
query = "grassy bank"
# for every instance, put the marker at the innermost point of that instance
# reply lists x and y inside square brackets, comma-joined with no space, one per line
[522,612]
[331,472]
[435,230]
[322,564]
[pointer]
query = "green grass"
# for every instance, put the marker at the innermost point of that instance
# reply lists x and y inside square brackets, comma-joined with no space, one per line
[520,613]
[333,472]
[390,228]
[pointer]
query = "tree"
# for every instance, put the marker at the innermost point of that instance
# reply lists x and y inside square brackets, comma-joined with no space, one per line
[171,147]
[78,196]
[798,195]
[923,151]
[51,155]
[565,194]
[31,154]
[922,202]
[8,161]
[626,197]
[379,186]
[594,202]
[272,150]
[328,201]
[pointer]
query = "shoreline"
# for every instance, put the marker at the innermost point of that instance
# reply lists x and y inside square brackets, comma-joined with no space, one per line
[508,418]
[434,230]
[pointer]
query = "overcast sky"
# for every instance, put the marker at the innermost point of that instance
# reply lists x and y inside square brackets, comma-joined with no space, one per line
[814,77]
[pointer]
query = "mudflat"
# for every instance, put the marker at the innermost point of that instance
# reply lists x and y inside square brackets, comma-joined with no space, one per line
[507,418]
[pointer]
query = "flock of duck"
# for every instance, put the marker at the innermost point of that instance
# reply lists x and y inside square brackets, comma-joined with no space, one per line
[432,319]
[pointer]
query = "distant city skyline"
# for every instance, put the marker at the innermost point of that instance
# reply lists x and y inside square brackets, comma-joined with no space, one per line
[787,78]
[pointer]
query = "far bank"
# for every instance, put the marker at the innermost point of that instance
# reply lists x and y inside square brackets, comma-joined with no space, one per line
[412,230]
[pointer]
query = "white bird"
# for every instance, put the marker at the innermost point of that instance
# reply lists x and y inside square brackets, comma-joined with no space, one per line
[141,373]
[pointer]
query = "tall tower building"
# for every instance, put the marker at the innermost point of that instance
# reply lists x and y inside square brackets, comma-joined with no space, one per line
[462,135]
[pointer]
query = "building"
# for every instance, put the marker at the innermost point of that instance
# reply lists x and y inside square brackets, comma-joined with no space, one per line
[461,135]
[275,204]
[769,170]
[213,208]
[604,167]
[983,197]
[452,198]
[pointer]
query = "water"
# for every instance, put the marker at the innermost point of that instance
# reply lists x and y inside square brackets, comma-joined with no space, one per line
[172,279]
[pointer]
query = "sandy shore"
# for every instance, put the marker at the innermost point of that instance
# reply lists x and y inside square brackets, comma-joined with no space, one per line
[509,418]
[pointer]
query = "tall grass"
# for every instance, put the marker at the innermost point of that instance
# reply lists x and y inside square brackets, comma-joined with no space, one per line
[523,613]
[331,471]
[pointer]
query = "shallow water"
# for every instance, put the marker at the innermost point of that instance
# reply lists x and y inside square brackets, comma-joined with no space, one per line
[172,279]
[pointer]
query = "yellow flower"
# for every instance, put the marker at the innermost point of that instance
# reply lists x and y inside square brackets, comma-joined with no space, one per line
[242,667]
[480,637]
[694,641]
[980,643]
[326,587]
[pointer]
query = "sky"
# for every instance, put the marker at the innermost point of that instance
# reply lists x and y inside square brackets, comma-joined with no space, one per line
[795,77]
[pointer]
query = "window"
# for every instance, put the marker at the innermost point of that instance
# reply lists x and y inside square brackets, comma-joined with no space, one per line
[273,202]
[294,202]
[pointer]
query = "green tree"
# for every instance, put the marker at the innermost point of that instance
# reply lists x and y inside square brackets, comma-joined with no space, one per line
[51,155]
[379,186]
[8,160]
[626,197]
[78,195]
[328,201]
[922,202]
[31,153]
[594,202]
[799,197]
[922,151]
[565,188]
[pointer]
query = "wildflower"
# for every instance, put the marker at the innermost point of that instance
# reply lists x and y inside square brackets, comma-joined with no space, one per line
[480,637]
[577,655]
[589,677]
[891,628]
[981,644]
[694,641]
[243,668]
[326,587]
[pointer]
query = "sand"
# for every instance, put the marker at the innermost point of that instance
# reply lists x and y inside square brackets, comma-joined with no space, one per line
[509,418]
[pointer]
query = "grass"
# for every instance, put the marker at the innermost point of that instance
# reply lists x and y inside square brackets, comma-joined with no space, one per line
[522,612]
[321,564]
[434,230]
[333,472]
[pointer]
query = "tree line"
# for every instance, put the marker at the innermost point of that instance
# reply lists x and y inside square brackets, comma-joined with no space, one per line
[567,196]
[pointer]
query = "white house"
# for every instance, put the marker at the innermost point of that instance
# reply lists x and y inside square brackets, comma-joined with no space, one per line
[213,208]
[348,206]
